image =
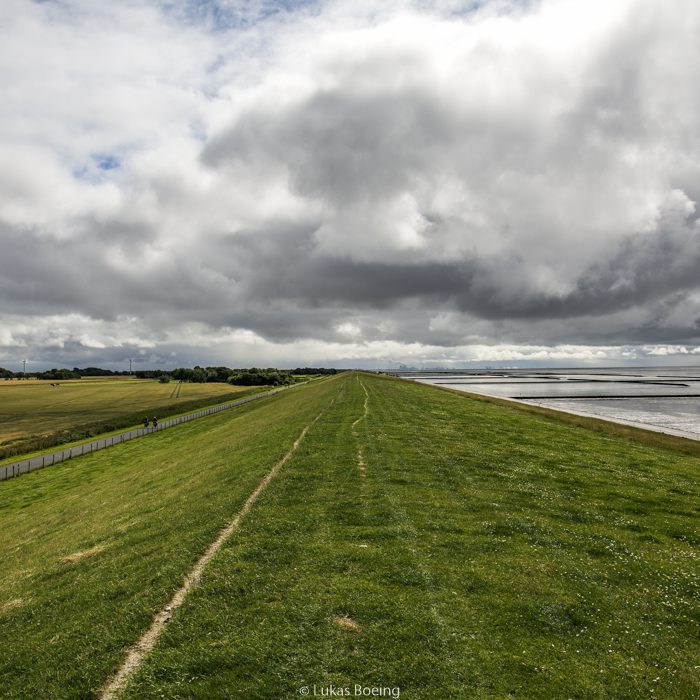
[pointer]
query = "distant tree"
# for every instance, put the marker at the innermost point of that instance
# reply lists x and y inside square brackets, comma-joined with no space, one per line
[219,374]
[261,377]
[58,374]
[6,374]
[199,375]
[164,379]
[95,372]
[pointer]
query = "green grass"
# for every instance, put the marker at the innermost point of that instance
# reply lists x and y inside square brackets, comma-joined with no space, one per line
[487,552]
[144,511]
[36,415]
[651,438]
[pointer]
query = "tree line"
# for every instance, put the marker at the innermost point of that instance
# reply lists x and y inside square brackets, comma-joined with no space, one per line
[252,376]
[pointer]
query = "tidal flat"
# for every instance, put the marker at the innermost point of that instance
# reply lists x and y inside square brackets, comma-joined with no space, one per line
[661,399]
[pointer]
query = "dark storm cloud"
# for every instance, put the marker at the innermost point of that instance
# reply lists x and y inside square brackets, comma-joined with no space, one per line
[293,270]
[650,267]
[344,147]
[279,286]
[40,274]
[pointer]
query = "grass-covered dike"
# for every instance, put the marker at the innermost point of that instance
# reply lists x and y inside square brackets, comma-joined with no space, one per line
[449,547]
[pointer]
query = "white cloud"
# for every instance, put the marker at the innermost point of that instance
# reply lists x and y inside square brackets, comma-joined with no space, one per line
[410,179]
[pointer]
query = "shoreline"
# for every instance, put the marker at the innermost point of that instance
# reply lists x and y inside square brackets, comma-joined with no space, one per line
[668,438]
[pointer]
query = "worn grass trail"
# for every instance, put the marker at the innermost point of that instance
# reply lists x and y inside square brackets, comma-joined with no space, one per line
[92,549]
[296,597]
[485,553]
[363,416]
[138,651]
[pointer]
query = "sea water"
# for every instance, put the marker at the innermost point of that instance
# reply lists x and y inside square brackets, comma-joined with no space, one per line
[663,399]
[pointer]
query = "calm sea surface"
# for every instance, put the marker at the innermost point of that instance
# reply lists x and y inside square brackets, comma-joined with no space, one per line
[662,399]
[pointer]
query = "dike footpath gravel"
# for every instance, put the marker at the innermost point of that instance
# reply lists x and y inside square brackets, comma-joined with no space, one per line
[30,464]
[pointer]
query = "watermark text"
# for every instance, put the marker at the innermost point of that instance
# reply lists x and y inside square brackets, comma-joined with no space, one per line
[349,691]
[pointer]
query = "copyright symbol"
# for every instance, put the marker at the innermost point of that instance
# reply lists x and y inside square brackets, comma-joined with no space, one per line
[304,690]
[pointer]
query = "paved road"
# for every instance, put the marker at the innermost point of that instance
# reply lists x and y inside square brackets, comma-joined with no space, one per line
[24,466]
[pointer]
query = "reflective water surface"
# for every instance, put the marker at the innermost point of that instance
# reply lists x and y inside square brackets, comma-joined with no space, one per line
[665,399]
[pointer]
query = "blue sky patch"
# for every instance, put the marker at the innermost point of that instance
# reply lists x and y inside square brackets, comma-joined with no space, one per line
[106,161]
[221,15]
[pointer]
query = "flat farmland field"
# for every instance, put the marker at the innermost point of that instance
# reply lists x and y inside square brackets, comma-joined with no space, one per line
[35,414]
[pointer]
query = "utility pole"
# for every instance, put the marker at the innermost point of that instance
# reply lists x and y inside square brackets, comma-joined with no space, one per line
[24,366]
[129,365]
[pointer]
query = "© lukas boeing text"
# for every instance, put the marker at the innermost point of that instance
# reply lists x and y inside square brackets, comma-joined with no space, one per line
[350,691]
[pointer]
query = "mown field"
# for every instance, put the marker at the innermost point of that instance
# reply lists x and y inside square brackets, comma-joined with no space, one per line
[30,411]
[416,539]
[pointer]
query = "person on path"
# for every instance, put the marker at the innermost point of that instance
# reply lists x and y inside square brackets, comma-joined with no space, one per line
[145,422]
[155,422]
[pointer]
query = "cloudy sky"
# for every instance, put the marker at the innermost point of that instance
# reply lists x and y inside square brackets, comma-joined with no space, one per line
[349,183]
